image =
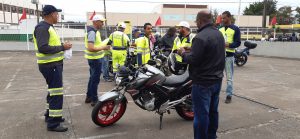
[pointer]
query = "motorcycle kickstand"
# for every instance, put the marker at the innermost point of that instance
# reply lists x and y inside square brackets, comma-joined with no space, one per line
[160,120]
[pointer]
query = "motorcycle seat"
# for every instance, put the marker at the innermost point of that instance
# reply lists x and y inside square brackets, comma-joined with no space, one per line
[176,80]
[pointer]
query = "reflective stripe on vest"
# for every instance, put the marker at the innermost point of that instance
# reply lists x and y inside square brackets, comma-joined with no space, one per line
[54,41]
[228,37]
[97,43]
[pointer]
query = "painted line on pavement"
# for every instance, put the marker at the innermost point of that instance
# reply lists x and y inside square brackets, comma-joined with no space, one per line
[106,135]
[12,79]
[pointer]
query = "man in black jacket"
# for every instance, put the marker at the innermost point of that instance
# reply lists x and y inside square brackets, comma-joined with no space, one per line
[206,59]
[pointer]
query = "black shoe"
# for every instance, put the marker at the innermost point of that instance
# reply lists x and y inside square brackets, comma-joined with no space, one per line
[60,120]
[87,100]
[228,100]
[94,103]
[59,128]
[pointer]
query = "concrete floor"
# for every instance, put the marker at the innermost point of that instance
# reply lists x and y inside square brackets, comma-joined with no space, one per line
[266,105]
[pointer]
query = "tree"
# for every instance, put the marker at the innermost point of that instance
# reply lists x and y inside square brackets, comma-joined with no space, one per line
[257,8]
[297,16]
[215,15]
[285,15]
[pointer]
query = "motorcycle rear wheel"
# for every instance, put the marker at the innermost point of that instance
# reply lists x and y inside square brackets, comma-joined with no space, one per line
[102,110]
[185,111]
[241,60]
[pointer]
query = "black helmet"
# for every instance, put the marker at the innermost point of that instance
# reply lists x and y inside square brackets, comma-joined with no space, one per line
[176,66]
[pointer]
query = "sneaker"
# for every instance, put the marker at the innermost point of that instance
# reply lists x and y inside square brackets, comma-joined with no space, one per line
[228,100]
[59,128]
[87,100]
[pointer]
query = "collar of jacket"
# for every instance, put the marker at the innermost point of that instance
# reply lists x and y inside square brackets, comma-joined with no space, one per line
[205,26]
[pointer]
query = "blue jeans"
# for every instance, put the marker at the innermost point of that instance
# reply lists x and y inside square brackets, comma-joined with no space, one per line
[105,62]
[94,80]
[205,106]
[229,75]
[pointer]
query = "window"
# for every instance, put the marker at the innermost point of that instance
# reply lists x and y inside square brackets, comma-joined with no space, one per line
[31,11]
[0,6]
[20,10]
[14,9]
[7,8]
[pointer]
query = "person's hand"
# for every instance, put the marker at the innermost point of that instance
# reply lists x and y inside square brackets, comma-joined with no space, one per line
[187,49]
[107,47]
[180,51]
[67,45]
[226,45]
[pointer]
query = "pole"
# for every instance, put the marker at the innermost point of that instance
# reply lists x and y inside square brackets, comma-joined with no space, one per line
[104,3]
[27,34]
[3,12]
[264,15]
[239,13]
[37,13]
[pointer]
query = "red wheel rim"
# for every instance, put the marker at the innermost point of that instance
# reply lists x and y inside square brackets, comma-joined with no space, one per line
[106,109]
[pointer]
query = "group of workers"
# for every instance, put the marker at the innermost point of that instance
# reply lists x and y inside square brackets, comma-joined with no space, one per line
[50,55]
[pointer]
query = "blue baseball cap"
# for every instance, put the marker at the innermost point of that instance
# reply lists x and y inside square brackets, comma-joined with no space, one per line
[48,9]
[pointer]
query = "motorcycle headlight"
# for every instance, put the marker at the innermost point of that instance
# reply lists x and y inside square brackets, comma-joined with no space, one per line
[158,62]
[118,80]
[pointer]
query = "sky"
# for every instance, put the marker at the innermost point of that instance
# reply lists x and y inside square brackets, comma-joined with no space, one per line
[75,10]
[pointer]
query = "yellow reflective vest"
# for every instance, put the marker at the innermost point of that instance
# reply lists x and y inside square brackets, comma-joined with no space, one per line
[97,43]
[143,47]
[228,35]
[54,41]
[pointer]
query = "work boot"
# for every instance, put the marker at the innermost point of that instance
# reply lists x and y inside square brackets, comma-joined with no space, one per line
[60,120]
[228,100]
[108,80]
[59,128]
[88,100]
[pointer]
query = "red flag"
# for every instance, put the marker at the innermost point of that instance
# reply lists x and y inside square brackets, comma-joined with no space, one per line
[23,15]
[219,19]
[273,21]
[158,22]
[91,18]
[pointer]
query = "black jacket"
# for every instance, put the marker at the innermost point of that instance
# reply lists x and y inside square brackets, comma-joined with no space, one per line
[207,57]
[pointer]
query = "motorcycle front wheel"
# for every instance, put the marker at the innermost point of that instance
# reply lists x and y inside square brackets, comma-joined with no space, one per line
[185,110]
[101,114]
[241,60]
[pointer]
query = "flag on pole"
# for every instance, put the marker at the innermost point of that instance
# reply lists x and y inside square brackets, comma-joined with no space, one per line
[219,19]
[274,21]
[158,22]
[23,15]
[91,18]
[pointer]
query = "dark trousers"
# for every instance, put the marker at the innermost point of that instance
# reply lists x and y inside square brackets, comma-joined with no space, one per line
[205,106]
[105,70]
[53,77]
[94,80]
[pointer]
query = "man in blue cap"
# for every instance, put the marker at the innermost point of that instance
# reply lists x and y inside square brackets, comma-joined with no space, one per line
[50,54]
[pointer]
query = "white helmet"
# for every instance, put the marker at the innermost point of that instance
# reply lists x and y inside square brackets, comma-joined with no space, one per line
[98,18]
[121,25]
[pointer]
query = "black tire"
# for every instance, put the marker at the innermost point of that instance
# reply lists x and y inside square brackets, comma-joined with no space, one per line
[241,60]
[100,105]
[185,111]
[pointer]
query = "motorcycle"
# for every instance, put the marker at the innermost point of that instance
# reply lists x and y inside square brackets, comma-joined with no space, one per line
[241,55]
[150,90]
[161,59]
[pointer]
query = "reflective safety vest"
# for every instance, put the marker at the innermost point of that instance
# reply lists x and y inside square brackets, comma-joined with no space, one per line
[143,47]
[228,35]
[186,42]
[54,41]
[119,40]
[97,43]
